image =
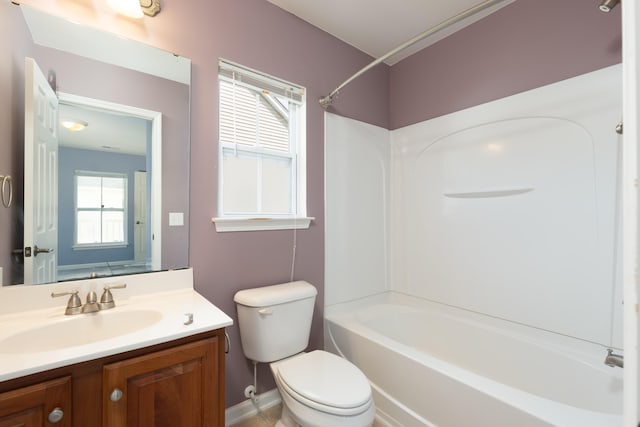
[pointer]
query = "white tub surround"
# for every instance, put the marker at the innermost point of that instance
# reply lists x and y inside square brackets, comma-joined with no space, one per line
[511,209]
[160,307]
[507,211]
[357,209]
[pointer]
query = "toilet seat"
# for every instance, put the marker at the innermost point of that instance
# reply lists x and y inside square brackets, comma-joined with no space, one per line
[325,382]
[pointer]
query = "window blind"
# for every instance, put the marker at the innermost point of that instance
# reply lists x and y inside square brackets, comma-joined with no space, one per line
[249,118]
[259,80]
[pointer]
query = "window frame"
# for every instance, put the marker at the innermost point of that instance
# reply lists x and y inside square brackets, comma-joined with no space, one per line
[232,73]
[124,210]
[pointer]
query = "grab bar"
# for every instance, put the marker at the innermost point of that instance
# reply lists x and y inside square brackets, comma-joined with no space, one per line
[614,360]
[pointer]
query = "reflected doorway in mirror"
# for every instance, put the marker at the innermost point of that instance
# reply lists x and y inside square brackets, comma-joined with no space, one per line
[129,140]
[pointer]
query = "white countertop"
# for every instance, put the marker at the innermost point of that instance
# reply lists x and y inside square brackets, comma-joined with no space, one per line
[164,298]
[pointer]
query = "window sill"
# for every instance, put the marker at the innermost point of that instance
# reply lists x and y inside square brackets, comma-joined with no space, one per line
[99,246]
[260,224]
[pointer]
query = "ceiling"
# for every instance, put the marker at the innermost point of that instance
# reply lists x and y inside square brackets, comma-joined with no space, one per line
[118,133]
[372,26]
[378,26]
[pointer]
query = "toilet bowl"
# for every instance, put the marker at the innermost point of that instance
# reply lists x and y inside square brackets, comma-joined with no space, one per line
[320,389]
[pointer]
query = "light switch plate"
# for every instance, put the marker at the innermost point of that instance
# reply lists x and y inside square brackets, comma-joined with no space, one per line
[176,219]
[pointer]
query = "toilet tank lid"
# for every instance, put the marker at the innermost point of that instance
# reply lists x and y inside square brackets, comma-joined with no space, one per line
[275,294]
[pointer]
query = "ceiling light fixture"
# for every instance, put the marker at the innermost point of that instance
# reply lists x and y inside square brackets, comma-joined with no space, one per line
[135,8]
[74,125]
[150,7]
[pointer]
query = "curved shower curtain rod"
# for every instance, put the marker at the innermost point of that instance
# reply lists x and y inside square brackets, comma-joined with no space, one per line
[326,101]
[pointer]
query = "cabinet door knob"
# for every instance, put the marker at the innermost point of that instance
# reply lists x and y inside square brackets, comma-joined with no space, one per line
[55,415]
[115,395]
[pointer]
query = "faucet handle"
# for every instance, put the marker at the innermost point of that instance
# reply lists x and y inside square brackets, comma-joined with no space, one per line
[106,300]
[74,305]
[118,286]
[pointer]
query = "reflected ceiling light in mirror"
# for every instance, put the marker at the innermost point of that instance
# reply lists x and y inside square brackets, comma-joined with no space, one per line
[74,125]
[135,8]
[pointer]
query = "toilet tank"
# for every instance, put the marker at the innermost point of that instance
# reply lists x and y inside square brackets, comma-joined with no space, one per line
[275,321]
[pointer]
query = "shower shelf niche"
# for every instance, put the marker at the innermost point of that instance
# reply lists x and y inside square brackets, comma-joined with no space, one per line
[487,194]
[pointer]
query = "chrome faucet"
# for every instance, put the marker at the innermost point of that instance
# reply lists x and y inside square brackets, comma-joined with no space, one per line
[614,360]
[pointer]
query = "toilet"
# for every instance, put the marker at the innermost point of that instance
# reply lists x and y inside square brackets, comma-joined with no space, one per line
[318,389]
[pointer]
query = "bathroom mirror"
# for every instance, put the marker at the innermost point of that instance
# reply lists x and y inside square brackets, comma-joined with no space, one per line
[119,187]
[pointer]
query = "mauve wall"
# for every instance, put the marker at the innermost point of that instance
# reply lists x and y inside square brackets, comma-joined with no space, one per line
[261,36]
[522,46]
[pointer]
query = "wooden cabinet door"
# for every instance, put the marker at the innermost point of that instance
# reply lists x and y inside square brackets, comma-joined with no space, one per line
[39,405]
[177,387]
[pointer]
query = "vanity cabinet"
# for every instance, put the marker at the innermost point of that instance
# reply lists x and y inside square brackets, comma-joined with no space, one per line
[43,404]
[173,388]
[177,384]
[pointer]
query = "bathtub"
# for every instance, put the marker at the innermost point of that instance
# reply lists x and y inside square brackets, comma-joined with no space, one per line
[435,365]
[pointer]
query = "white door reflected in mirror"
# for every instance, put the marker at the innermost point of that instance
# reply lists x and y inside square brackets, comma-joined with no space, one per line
[41,177]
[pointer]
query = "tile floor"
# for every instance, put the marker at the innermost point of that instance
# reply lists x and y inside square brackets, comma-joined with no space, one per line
[268,418]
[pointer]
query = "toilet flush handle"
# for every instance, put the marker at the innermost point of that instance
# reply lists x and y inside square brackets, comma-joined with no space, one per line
[265,311]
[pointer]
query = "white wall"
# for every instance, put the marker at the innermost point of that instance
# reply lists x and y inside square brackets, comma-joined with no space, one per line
[357,159]
[507,209]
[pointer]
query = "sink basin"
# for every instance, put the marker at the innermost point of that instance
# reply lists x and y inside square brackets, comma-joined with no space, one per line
[79,330]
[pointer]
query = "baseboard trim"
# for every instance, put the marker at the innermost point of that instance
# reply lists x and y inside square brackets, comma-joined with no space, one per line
[245,410]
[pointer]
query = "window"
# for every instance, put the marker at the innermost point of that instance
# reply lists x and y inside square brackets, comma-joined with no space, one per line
[261,149]
[101,209]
